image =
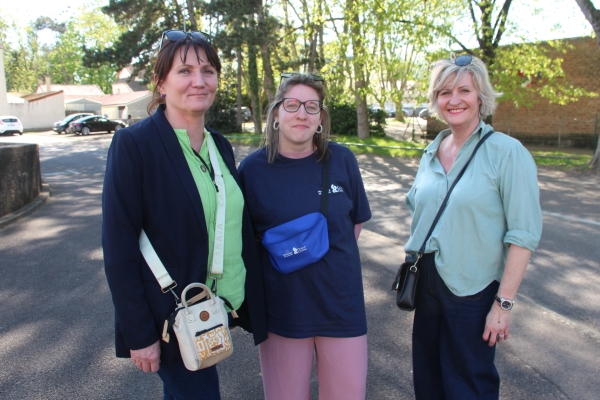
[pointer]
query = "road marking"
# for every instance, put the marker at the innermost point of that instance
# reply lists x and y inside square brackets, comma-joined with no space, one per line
[569,218]
[67,172]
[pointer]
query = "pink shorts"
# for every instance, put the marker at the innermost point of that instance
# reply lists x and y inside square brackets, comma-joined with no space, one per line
[286,366]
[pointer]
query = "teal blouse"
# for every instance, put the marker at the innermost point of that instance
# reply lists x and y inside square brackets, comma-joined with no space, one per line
[495,204]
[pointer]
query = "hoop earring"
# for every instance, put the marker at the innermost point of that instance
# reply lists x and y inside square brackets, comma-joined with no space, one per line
[276,125]
[319,129]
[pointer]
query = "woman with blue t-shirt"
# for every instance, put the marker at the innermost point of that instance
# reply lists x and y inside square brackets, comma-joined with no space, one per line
[319,308]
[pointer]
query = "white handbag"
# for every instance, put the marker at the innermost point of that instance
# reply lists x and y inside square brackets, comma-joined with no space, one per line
[202,330]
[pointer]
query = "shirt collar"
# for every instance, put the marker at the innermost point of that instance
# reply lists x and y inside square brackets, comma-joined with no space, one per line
[432,148]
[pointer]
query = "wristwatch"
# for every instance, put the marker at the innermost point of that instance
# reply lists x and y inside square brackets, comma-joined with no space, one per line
[505,304]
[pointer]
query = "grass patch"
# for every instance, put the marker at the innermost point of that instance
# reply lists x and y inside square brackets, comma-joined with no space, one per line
[248,139]
[381,146]
[385,146]
[561,159]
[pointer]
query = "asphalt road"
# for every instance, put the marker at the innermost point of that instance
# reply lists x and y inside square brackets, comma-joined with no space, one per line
[56,316]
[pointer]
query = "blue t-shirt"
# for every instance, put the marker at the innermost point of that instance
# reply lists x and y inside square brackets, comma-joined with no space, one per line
[324,298]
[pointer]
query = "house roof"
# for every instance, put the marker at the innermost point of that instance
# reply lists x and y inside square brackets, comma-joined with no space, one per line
[79,99]
[80,90]
[39,96]
[124,98]
[135,85]
[112,99]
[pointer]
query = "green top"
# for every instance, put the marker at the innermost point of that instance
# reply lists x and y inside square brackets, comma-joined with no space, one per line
[231,286]
[495,203]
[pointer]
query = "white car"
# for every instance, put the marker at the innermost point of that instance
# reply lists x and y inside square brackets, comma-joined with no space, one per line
[10,124]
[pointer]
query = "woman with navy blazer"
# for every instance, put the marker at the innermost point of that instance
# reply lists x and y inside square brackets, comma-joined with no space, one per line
[159,178]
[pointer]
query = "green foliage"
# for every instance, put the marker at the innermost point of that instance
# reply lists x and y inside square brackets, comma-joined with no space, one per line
[222,114]
[343,119]
[524,73]
[29,62]
[24,63]
[376,122]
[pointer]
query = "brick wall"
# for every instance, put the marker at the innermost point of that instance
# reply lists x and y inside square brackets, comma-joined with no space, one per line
[542,123]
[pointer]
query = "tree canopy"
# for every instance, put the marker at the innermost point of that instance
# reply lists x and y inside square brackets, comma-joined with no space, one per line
[368,51]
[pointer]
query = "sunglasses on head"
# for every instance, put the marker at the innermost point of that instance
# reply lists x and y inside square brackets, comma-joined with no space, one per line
[463,61]
[174,35]
[288,75]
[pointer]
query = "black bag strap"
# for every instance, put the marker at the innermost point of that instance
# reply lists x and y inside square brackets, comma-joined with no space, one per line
[443,206]
[325,188]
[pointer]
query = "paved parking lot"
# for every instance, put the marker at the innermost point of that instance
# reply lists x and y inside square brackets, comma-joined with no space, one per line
[56,317]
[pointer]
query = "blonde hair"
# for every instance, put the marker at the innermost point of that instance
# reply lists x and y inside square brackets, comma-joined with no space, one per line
[445,71]
[270,137]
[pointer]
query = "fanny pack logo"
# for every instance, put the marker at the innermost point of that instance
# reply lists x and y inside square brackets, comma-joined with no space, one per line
[295,250]
[333,189]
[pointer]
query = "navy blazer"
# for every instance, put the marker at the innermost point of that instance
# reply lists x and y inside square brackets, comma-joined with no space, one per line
[148,184]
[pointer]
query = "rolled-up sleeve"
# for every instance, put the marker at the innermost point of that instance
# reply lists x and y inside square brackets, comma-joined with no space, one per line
[521,199]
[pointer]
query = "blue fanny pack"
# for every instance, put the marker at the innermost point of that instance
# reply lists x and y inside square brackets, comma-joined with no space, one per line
[301,241]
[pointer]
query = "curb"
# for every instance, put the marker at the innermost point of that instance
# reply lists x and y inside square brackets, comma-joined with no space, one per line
[39,201]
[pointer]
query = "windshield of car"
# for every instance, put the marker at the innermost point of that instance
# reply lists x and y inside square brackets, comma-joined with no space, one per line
[10,120]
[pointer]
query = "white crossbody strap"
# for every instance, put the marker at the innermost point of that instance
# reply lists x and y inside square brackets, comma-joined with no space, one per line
[216,267]
[158,269]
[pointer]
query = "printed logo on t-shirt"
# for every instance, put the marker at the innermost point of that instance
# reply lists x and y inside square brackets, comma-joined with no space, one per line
[295,250]
[334,189]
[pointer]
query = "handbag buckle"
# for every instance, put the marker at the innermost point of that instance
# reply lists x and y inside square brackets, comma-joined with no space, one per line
[169,288]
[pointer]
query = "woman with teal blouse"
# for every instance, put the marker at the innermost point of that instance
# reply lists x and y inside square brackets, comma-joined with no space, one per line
[477,254]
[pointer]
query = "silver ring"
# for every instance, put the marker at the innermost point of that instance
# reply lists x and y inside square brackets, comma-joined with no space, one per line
[501,335]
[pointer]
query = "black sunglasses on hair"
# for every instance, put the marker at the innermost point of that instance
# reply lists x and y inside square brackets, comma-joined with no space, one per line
[174,35]
[288,75]
[463,61]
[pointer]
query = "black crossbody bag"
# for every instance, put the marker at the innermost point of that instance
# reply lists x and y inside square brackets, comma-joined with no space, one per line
[407,277]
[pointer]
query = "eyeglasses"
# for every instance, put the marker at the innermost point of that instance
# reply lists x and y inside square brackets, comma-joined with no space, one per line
[311,106]
[288,75]
[463,61]
[173,36]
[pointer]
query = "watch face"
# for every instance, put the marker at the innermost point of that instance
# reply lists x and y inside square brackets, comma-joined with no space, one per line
[506,305]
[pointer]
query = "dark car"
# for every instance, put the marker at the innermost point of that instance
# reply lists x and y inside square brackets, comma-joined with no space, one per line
[95,123]
[62,125]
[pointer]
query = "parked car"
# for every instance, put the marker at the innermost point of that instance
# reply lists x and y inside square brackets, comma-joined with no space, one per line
[10,124]
[246,114]
[62,125]
[95,123]
[391,111]
[424,113]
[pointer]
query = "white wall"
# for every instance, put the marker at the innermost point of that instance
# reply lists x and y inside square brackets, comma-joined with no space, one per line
[138,109]
[39,114]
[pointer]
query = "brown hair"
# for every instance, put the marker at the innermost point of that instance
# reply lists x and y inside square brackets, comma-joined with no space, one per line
[166,56]
[270,137]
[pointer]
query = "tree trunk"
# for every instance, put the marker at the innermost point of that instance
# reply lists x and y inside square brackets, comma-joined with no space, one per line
[595,162]
[253,83]
[592,15]
[360,84]
[266,58]
[238,120]
[191,15]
